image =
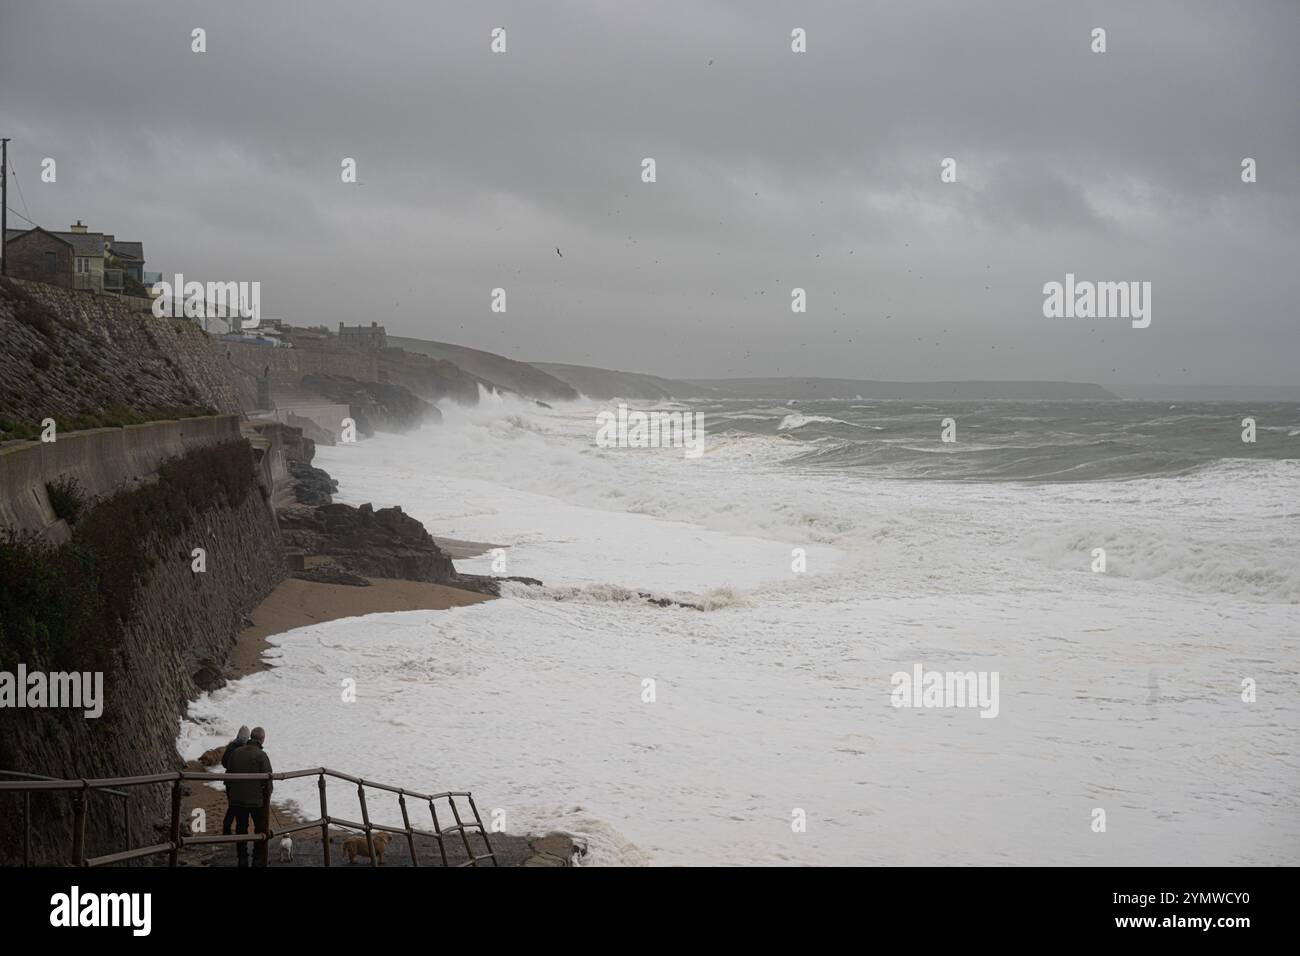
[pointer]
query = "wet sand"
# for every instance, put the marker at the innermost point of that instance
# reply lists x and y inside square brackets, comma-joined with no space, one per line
[298,603]
[456,549]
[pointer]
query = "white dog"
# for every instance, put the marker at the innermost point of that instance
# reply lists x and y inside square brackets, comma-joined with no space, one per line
[286,850]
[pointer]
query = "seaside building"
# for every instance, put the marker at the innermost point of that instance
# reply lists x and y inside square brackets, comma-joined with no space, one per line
[371,338]
[75,259]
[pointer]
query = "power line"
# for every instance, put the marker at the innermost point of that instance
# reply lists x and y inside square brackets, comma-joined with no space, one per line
[22,217]
[20,190]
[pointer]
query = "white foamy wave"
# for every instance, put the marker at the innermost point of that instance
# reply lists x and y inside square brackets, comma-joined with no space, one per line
[1264,568]
[709,599]
[799,421]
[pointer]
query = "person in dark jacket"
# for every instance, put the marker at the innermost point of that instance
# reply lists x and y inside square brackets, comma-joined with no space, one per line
[241,738]
[248,797]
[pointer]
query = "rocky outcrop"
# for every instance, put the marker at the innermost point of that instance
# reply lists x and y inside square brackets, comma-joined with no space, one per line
[376,406]
[487,584]
[339,543]
[382,544]
[342,544]
[313,486]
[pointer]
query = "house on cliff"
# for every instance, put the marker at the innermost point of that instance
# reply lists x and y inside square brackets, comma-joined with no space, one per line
[76,259]
[40,256]
[372,338]
[130,256]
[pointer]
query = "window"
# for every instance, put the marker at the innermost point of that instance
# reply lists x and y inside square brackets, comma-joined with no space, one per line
[83,263]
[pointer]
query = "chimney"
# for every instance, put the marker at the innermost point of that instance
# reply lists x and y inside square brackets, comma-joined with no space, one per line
[340,328]
[78,227]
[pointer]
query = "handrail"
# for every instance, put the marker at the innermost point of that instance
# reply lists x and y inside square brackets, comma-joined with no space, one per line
[37,776]
[98,783]
[27,810]
[34,783]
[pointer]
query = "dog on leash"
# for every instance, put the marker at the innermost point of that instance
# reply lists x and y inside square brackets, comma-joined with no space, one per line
[286,850]
[356,846]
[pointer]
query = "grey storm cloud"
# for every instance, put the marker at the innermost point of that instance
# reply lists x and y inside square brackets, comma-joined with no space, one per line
[775,170]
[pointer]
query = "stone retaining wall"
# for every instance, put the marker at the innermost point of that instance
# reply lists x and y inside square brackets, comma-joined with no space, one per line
[103,460]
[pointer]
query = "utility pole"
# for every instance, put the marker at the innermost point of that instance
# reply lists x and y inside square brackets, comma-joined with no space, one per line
[4,206]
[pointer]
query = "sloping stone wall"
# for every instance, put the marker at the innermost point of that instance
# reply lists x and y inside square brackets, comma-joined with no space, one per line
[67,354]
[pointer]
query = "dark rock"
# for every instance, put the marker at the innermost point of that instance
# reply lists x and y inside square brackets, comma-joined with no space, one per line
[209,676]
[376,406]
[668,602]
[361,542]
[486,583]
[313,486]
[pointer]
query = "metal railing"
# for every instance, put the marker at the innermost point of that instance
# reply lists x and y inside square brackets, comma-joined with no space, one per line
[27,811]
[82,788]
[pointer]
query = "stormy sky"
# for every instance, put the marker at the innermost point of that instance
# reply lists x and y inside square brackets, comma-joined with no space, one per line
[775,169]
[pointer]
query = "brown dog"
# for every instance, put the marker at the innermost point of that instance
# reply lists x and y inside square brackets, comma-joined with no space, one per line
[356,846]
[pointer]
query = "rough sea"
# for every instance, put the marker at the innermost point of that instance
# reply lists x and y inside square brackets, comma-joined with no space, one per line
[832,545]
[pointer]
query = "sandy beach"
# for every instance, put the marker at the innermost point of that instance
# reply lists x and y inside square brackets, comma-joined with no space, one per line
[298,603]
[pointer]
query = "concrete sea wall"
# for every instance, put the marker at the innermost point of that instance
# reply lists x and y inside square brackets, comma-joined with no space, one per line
[103,460]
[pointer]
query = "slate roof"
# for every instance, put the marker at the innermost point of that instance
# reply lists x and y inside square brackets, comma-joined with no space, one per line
[87,243]
[127,250]
[12,234]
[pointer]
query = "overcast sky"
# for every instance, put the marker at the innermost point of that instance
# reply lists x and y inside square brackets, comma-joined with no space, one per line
[775,170]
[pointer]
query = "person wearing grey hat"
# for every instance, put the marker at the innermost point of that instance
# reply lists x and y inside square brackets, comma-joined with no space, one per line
[241,738]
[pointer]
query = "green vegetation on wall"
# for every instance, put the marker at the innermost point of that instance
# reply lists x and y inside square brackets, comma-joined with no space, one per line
[66,607]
